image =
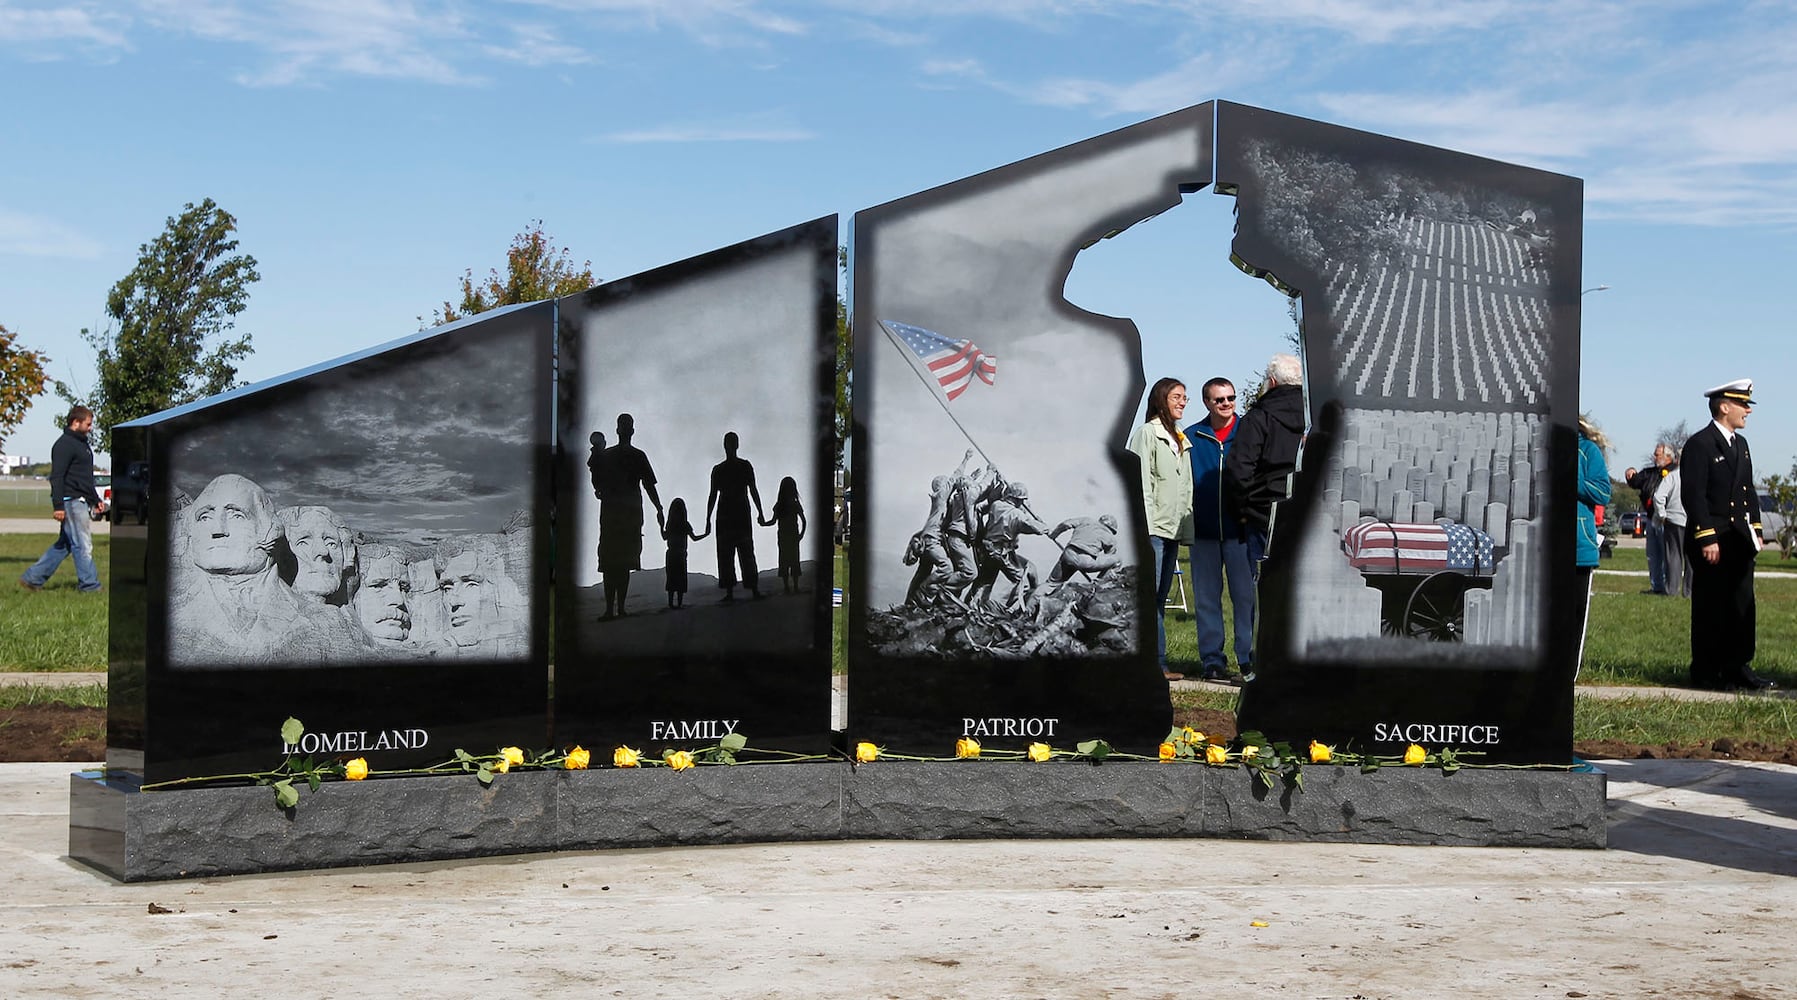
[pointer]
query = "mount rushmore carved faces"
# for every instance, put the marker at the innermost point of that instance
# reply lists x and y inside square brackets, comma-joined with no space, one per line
[383,598]
[323,550]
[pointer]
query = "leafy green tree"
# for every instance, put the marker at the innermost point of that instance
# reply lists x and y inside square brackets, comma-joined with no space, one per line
[21,381]
[169,341]
[534,270]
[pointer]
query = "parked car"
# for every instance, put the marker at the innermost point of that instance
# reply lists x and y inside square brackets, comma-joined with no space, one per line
[1633,523]
[102,486]
[133,494]
[1772,519]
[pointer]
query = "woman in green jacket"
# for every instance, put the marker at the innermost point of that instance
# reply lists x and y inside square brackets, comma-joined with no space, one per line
[1166,492]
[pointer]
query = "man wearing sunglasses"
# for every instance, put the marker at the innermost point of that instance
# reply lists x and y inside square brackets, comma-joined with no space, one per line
[1220,542]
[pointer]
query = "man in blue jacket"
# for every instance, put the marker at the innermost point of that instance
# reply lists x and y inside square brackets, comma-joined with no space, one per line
[75,503]
[1219,543]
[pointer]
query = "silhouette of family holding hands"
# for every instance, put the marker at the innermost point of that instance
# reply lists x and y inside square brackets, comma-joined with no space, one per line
[622,476]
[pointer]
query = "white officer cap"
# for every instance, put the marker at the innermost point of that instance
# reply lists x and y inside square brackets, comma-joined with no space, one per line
[1740,390]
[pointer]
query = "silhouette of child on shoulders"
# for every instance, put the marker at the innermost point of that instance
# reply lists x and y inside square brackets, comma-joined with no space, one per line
[789,514]
[677,530]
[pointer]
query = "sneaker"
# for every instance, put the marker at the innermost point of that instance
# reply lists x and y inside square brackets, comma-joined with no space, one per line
[1221,676]
[1171,676]
[28,585]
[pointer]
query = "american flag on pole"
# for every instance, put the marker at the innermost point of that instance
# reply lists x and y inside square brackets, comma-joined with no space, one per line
[1387,547]
[955,363]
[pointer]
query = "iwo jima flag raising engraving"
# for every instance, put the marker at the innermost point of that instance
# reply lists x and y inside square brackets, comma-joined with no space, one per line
[954,363]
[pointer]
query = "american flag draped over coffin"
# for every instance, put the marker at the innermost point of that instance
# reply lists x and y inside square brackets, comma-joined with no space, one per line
[1391,547]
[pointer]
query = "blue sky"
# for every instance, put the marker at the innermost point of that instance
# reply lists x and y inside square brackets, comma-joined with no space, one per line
[373,149]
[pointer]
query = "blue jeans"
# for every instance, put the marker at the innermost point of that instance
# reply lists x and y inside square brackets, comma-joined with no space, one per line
[1166,561]
[76,538]
[1211,560]
[1656,557]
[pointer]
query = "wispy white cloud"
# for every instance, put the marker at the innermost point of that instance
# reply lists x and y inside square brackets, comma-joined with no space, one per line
[304,41]
[46,29]
[758,127]
[1631,96]
[1192,80]
[26,235]
[538,45]
[712,22]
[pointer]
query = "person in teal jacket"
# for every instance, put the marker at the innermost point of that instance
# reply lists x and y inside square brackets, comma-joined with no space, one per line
[1594,490]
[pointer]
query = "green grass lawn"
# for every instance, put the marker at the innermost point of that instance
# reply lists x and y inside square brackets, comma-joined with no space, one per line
[1644,639]
[57,628]
[839,617]
[1657,719]
[25,501]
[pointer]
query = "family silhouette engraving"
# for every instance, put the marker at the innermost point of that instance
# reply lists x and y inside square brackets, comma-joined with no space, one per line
[622,476]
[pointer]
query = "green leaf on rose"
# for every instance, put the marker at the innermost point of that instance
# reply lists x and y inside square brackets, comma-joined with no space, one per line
[286,796]
[733,742]
[292,730]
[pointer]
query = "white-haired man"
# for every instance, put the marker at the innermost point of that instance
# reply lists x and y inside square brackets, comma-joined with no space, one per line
[1256,473]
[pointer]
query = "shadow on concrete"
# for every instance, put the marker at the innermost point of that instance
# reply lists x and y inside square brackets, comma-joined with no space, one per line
[1733,814]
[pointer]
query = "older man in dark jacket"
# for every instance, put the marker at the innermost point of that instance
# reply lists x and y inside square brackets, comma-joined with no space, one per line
[1265,452]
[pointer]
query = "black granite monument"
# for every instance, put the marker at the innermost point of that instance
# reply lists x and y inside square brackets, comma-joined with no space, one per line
[989,412]
[694,500]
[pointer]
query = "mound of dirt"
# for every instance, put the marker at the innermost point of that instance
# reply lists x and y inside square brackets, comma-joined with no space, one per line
[52,732]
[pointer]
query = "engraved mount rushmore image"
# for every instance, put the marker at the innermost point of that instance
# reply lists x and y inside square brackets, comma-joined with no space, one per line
[379,514]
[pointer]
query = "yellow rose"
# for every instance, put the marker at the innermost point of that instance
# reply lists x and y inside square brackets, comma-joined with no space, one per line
[502,765]
[866,753]
[512,756]
[680,760]
[966,748]
[1320,753]
[1250,752]
[1214,754]
[626,757]
[1415,754]
[1191,735]
[1040,752]
[577,759]
[1169,751]
[356,769]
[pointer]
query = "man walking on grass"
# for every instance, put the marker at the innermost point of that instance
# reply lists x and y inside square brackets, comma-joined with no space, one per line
[75,503]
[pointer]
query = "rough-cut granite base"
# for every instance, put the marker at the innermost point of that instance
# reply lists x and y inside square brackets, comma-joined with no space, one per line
[140,836]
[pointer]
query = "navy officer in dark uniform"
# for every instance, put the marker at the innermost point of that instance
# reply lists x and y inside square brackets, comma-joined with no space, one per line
[1722,537]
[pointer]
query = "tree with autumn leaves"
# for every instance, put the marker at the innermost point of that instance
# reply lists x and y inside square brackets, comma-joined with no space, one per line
[535,269]
[21,381]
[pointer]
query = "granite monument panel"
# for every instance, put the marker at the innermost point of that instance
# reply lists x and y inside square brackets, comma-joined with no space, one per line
[1000,567]
[694,500]
[1419,582]
[361,545]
